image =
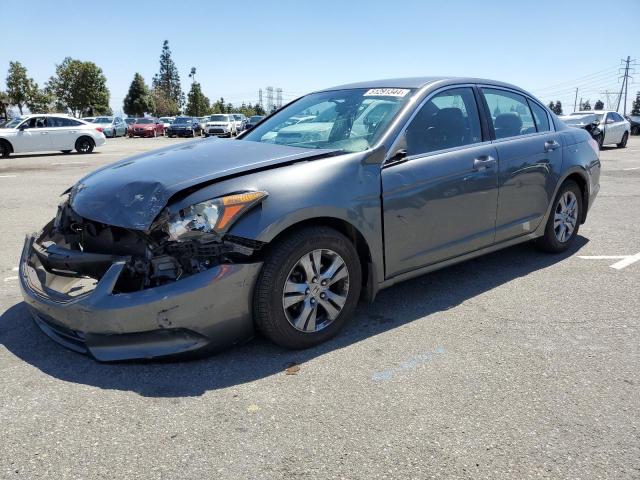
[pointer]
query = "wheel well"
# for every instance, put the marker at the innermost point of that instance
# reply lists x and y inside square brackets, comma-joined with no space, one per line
[7,143]
[582,183]
[348,230]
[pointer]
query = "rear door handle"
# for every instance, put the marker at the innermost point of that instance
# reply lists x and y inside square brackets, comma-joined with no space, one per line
[484,162]
[551,145]
[44,133]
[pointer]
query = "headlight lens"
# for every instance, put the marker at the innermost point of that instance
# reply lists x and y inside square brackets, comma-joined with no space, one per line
[213,216]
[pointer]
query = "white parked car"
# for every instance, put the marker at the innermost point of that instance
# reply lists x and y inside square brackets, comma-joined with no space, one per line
[241,121]
[38,133]
[605,126]
[166,121]
[221,125]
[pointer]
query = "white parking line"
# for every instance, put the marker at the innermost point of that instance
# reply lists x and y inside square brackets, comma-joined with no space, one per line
[8,176]
[624,260]
[634,168]
[10,279]
[14,269]
[69,163]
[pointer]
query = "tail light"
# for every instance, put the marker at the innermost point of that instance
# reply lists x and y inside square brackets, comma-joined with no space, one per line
[100,129]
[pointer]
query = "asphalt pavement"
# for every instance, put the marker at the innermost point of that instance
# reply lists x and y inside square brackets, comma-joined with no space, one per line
[517,365]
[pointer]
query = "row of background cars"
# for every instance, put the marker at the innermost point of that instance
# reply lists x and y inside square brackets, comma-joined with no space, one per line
[221,125]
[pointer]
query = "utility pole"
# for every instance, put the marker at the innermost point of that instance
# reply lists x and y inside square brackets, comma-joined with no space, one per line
[609,102]
[625,85]
[575,102]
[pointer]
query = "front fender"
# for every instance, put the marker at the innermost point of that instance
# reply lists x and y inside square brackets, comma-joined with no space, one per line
[344,188]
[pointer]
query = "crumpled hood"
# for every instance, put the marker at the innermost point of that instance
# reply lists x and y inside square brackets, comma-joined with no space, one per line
[132,192]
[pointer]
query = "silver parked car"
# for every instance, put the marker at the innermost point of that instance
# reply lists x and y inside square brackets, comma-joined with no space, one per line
[196,246]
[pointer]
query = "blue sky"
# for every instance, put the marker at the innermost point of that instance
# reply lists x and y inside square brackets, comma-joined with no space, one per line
[547,47]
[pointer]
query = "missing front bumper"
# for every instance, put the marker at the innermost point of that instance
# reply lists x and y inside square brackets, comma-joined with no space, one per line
[210,309]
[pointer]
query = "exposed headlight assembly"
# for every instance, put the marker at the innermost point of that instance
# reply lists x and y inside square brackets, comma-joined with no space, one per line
[213,216]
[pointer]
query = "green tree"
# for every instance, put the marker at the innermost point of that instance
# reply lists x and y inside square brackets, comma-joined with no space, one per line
[19,85]
[80,87]
[139,99]
[552,106]
[585,106]
[166,83]
[558,110]
[197,102]
[229,108]
[40,100]
[219,106]
[599,105]
[635,106]
[163,106]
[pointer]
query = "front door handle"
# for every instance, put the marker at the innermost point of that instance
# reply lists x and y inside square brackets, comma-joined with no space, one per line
[551,145]
[44,133]
[484,162]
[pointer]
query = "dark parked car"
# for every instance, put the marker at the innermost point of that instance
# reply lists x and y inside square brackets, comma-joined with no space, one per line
[185,127]
[196,246]
[634,121]
[253,121]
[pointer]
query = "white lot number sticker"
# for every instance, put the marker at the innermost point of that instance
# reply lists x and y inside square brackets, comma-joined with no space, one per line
[387,92]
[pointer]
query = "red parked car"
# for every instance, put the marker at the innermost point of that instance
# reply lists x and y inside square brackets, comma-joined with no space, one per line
[145,127]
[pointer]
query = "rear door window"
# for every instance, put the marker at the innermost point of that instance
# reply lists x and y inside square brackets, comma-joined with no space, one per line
[509,112]
[540,116]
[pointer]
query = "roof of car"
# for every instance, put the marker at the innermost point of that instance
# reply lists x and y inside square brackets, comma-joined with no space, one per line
[418,82]
[590,112]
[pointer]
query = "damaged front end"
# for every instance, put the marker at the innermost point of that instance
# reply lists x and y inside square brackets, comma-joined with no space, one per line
[185,284]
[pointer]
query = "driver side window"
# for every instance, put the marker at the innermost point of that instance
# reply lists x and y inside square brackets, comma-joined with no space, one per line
[448,120]
[36,122]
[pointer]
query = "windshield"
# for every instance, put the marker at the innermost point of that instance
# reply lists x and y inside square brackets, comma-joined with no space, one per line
[256,118]
[237,117]
[14,122]
[350,120]
[182,121]
[143,121]
[129,121]
[165,120]
[219,118]
[103,120]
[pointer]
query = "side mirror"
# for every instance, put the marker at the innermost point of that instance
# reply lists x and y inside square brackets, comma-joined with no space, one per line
[23,127]
[610,120]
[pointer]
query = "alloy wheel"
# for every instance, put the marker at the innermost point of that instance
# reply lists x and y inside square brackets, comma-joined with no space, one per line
[316,290]
[566,216]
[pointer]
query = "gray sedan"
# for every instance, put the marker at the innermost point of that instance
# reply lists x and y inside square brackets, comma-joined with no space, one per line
[196,247]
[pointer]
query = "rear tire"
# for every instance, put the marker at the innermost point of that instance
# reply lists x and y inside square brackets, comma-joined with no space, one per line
[623,142]
[315,323]
[84,145]
[563,218]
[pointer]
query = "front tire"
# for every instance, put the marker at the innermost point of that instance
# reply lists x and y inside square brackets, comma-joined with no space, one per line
[4,149]
[308,288]
[564,220]
[623,142]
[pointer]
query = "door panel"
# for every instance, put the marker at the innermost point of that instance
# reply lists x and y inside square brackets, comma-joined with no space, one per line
[438,206]
[530,156]
[528,171]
